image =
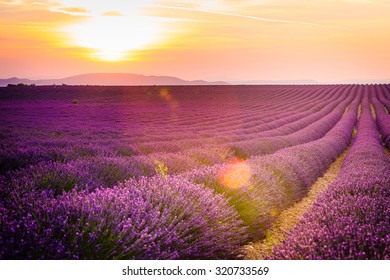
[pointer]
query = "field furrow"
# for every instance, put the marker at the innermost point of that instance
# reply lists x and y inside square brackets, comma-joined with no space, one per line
[194,172]
[350,220]
[290,217]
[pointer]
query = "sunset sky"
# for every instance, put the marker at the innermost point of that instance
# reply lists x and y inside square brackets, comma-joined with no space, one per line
[323,40]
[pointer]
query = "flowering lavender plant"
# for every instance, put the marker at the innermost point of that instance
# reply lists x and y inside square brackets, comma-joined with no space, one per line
[139,219]
[351,220]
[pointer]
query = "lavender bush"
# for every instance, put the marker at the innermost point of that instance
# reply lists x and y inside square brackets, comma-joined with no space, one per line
[351,220]
[139,219]
[278,180]
[382,117]
[151,172]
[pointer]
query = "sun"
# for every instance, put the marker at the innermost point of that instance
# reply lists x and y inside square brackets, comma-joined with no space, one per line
[113,38]
[110,30]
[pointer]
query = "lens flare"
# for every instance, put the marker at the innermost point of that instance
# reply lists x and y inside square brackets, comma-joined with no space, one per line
[165,94]
[236,174]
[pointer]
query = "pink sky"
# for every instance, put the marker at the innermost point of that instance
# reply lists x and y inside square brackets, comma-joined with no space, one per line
[324,40]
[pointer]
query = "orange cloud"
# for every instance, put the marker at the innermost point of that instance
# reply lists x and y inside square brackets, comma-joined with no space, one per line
[11,2]
[112,14]
[73,10]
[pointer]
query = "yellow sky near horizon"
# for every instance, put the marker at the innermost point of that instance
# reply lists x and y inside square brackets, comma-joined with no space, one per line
[324,40]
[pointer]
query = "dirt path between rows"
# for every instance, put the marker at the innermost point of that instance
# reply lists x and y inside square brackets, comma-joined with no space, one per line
[288,219]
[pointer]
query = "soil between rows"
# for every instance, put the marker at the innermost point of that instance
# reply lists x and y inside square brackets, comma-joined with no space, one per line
[290,217]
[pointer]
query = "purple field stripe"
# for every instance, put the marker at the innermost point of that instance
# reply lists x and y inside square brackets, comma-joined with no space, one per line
[382,96]
[280,179]
[350,220]
[382,117]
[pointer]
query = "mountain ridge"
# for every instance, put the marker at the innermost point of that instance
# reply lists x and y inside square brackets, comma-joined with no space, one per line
[110,79]
[128,79]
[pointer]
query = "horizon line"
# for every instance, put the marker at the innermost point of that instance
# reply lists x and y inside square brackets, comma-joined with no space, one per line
[230,81]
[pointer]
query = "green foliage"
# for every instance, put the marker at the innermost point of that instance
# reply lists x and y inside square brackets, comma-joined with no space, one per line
[161,168]
[239,153]
[20,85]
[354,132]
[55,134]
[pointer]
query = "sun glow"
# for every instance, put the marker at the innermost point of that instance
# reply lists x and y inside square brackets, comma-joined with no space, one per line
[113,38]
[113,30]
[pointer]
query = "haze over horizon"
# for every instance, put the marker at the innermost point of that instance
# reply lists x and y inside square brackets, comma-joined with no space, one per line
[327,41]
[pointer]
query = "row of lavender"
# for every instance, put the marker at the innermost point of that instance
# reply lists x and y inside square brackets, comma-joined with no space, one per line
[63,146]
[350,220]
[151,218]
[274,182]
[141,219]
[45,223]
[39,221]
[381,112]
[154,109]
[109,170]
[90,174]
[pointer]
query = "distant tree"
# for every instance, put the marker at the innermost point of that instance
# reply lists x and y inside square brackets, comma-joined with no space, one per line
[21,85]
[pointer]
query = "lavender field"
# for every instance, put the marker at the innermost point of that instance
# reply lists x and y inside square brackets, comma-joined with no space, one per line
[192,172]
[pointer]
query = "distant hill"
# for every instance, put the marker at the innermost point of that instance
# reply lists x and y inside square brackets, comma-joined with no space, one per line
[111,79]
[365,81]
[14,80]
[108,79]
[274,82]
[308,82]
